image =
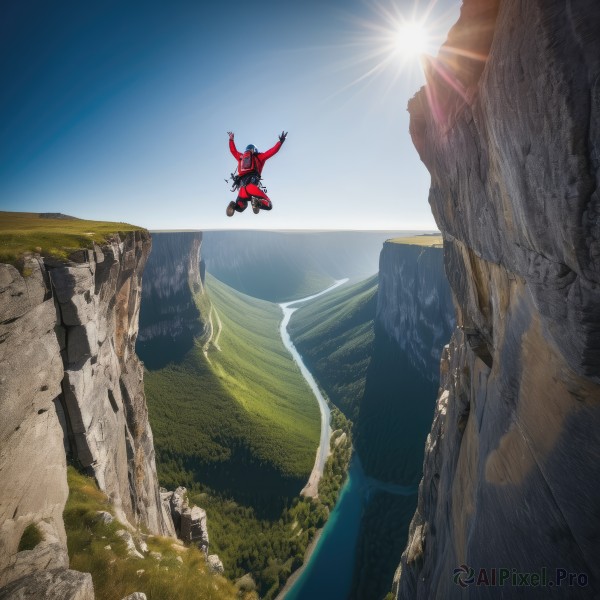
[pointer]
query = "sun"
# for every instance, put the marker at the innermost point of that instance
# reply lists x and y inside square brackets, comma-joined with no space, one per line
[411,39]
[396,43]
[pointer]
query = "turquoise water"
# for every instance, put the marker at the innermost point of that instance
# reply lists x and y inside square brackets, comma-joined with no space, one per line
[328,574]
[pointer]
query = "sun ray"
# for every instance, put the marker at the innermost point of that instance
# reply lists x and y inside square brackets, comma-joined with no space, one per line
[448,77]
[389,46]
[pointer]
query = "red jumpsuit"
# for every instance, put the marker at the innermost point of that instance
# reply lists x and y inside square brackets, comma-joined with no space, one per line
[249,185]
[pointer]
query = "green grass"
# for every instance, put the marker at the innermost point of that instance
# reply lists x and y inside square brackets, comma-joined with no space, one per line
[95,548]
[368,376]
[29,232]
[335,335]
[31,537]
[259,372]
[241,421]
[432,241]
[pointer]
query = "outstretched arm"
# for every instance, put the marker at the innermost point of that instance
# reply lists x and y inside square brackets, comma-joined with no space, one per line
[275,148]
[232,148]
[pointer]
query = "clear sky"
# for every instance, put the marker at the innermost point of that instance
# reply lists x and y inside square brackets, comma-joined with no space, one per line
[118,110]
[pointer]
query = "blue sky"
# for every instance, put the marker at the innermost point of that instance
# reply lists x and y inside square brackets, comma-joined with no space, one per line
[119,110]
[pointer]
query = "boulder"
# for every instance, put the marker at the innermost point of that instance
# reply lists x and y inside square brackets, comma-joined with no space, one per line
[215,564]
[105,517]
[194,528]
[54,584]
[132,551]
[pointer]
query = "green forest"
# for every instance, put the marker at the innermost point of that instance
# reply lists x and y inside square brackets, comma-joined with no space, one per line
[335,336]
[235,413]
[235,422]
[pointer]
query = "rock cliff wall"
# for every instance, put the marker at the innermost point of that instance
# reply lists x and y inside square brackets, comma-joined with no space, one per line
[71,381]
[33,478]
[414,303]
[414,319]
[508,126]
[169,319]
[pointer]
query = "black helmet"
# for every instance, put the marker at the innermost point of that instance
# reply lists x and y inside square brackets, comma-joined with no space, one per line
[252,148]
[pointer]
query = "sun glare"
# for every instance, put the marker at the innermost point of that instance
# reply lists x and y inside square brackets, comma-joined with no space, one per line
[395,43]
[411,39]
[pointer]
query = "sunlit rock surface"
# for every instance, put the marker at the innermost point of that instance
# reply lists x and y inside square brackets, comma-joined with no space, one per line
[53,584]
[513,148]
[33,483]
[71,383]
[107,418]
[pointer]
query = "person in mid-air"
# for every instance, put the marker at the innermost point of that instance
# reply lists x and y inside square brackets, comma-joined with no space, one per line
[250,166]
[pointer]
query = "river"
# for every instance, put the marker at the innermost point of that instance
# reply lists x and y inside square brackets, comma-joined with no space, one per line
[323,449]
[328,569]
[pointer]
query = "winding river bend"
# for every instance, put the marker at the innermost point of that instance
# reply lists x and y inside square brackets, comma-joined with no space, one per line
[329,564]
[323,450]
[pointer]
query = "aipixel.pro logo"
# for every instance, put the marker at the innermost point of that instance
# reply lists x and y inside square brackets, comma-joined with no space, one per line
[464,576]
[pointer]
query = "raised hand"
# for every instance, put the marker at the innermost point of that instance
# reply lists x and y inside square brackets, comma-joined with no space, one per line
[230,134]
[283,136]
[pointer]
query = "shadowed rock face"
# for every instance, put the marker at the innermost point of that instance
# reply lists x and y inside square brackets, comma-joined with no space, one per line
[513,148]
[414,304]
[169,318]
[71,381]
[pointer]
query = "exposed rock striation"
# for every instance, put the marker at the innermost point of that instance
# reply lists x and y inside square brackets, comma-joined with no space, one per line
[109,433]
[70,380]
[32,460]
[414,303]
[513,148]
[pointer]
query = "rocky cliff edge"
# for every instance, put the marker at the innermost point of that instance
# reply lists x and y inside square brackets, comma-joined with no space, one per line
[509,128]
[71,385]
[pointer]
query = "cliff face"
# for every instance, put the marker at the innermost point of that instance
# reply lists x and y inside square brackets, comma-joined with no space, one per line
[169,319]
[71,381]
[513,148]
[33,456]
[413,319]
[414,303]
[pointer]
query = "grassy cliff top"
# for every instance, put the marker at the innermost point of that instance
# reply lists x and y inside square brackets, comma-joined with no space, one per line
[432,241]
[95,547]
[51,234]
